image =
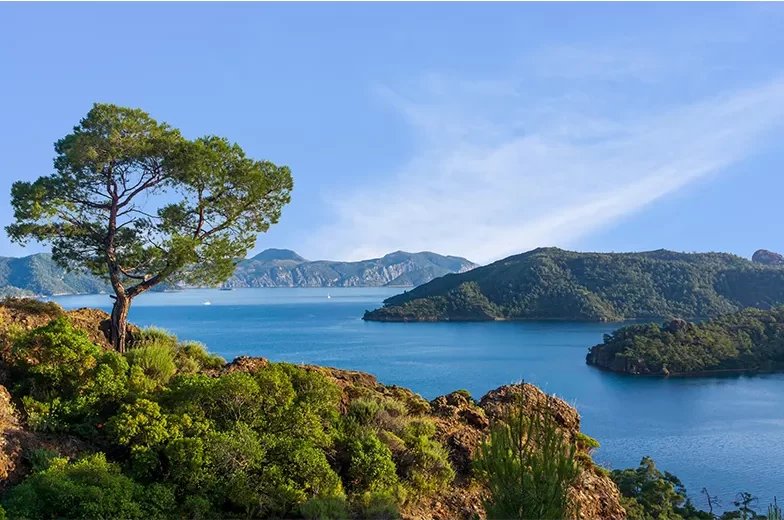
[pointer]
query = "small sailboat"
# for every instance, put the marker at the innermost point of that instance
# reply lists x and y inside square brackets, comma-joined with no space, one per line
[329,297]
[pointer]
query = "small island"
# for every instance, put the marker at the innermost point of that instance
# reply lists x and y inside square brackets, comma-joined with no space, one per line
[748,341]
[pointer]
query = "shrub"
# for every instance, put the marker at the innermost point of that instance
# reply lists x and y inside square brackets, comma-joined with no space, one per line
[427,466]
[154,336]
[648,492]
[191,357]
[33,306]
[364,410]
[40,458]
[66,383]
[55,359]
[155,360]
[88,488]
[379,505]
[464,393]
[331,508]
[141,424]
[370,466]
[528,466]
[586,442]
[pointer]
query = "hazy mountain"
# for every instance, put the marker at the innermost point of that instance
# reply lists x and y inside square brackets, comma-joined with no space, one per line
[285,268]
[39,274]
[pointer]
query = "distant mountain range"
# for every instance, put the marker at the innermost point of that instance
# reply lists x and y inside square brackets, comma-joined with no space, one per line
[39,274]
[550,283]
[285,268]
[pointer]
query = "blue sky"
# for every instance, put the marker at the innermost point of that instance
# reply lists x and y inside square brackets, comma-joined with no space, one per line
[479,130]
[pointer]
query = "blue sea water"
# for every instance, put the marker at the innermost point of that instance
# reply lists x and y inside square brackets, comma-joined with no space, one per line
[722,433]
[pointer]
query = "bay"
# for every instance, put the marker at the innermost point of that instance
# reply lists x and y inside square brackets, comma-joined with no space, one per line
[725,434]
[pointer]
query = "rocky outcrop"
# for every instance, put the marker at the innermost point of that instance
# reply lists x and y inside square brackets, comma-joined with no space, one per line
[765,257]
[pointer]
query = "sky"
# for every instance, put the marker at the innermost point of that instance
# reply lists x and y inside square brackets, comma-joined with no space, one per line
[473,129]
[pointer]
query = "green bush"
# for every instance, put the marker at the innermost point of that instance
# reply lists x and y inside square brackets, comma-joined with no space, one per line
[464,393]
[647,493]
[154,336]
[370,466]
[40,458]
[364,411]
[88,488]
[54,359]
[156,361]
[528,466]
[32,306]
[586,442]
[191,357]
[65,382]
[378,505]
[332,508]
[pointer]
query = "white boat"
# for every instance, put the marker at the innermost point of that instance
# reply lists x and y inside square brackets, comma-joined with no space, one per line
[329,297]
[207,302]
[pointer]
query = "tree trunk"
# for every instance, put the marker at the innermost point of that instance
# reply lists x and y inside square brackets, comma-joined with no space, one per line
[120,322]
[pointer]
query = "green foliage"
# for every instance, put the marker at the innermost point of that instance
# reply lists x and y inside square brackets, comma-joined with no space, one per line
[550,283]
[378,505]
[370,465]
[154,336]
[39,274]
[40,458]
[425,463]
[647,493]
[156,361]
[98,211]
[140,424]
[752,339]
[88,488]
[586,442]
[332,508]
[464,393]
[64,379]
[191,357]
[260,444]
[528,466]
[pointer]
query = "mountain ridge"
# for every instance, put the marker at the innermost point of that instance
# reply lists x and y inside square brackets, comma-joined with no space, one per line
[39,274]
[552,283]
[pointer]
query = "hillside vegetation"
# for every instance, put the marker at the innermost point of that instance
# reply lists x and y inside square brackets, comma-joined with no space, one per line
[750,340]
[39,274]
[168,431]
[550,283]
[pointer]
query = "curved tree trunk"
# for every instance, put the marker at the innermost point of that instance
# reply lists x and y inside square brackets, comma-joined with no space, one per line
[120,322]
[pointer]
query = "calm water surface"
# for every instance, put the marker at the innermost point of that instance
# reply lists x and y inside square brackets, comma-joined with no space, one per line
[723,433]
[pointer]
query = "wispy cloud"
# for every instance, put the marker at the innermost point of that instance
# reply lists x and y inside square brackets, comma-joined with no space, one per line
[504,167]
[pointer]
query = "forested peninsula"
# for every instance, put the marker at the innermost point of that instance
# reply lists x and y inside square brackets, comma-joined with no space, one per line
[551,283]
[751,340]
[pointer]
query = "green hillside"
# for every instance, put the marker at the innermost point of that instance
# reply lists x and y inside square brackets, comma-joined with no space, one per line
[752,340]
[550,283]
[39,274]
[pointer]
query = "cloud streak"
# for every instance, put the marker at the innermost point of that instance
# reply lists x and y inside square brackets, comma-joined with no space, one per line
[503,167]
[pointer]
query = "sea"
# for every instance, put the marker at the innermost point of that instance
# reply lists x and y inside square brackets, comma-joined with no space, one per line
[721,434]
